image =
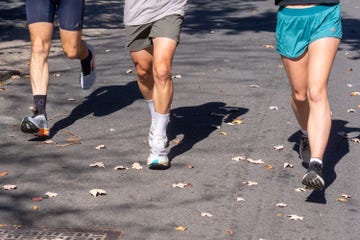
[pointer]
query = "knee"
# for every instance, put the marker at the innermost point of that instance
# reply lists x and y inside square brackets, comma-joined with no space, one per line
[71,52]
[317,95]
[144,74]
[298,96]
[40,48]
[162,74]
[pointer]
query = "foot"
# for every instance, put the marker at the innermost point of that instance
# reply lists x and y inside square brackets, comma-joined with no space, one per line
[86,81]
[36,125]
[313,177]
[304,150]
[158,156]
[150,139]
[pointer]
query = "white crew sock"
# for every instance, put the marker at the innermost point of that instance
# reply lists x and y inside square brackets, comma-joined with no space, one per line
[161,124]
[151,107]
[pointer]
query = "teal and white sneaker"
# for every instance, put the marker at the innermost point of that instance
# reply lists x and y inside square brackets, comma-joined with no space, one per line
[86,81]
[36,125]
[158,156]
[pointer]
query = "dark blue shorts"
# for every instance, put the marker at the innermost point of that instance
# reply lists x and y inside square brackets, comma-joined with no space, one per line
[71,12]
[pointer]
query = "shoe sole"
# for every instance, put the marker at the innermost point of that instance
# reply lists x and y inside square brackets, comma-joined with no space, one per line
[28,126]
[313,180]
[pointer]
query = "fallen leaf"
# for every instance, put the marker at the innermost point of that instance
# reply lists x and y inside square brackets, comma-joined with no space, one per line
[129,71]
[9,187]
[281,205]
[254,86]
[99,147]
[229,232]
[37,198]
[15,77]
[136,166]
[236,121]
[108,50]
[97,192]
[240,199]
[223,133]
[190,166]
[351,110]
[288,165]
[71,100]
[275,108]
[296,217]
[238,158]
[259,161]
[279,147]
[279,214]
[300,190]
[268,46]
[181,185]
[349,85]
[57,75]
[204,214]
[268,166]
[180,228]
[120,168]
[353,94]
[35,208]
[98,164]
[3,174]
[178,76]
[176,141]
[250,183]
[51,194]
[341,199]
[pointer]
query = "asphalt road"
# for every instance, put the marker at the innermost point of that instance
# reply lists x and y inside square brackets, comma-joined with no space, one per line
[226,69]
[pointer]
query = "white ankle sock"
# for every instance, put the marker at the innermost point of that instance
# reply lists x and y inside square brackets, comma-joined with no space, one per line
[304,132]
[317,160]
[161,124]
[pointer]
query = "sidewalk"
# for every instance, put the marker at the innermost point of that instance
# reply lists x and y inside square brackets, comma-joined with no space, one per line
[226,68]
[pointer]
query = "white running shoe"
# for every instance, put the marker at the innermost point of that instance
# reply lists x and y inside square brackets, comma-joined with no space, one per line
[86,81]
[158,156]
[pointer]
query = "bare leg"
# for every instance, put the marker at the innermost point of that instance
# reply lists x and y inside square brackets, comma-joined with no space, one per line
[73,46]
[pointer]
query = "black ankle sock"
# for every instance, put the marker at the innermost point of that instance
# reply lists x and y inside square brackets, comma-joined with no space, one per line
[40,104]
[85,64]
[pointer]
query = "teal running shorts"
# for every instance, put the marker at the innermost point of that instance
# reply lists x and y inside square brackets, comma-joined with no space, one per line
[297,28]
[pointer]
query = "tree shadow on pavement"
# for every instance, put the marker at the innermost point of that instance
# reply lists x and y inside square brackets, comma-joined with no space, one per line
[190,125]
[103,101]
[336,149]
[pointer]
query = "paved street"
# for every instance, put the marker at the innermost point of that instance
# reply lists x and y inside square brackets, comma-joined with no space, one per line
[225,69]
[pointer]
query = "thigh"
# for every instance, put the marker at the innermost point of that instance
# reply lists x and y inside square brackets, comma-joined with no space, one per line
[137,37]
[167,27]
[71,14]
[40,11]
[164,50]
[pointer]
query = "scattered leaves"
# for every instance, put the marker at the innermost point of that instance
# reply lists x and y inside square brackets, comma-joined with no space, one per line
[181,185]
[97,192]
[296,217]
[51,194]
[120,168]
[281,205]
[176,141]
[9,187]
[98,164]
[205,214]
[3,174]
[275,108]
[288,165]
[250,183]
[181,228]
[99,147]
[279,147]
[353,94]
[341,199]
[136,166]
[268,166]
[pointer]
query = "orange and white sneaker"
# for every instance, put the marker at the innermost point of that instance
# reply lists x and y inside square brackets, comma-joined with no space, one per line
[36,125]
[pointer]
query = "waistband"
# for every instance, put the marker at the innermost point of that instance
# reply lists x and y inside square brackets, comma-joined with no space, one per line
[306,11]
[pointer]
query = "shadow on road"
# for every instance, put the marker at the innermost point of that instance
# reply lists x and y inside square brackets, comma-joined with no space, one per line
[336,149]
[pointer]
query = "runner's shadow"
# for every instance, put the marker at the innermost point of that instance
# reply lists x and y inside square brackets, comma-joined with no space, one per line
[336,149]
[196,123]
[103,101]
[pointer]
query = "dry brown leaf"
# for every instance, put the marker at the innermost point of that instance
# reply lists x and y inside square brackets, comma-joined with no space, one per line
[268,46]
[275,108]
[56,74]
[15,77]
[259,161]
[229,232]
[268,166]
[129,71]
[181,185]
[98,164]
[300,190]
[223,133]
[9,187]
[240,199]
[295,217]
[351,110]
[101,146]
[180,228]
[71,100]
[97,192]
[176,141]
[3,174]
[205,214]
[51,194]
[341,199]
[35,208]
[178,76]
[120,168]
[353,94]
[136,166]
